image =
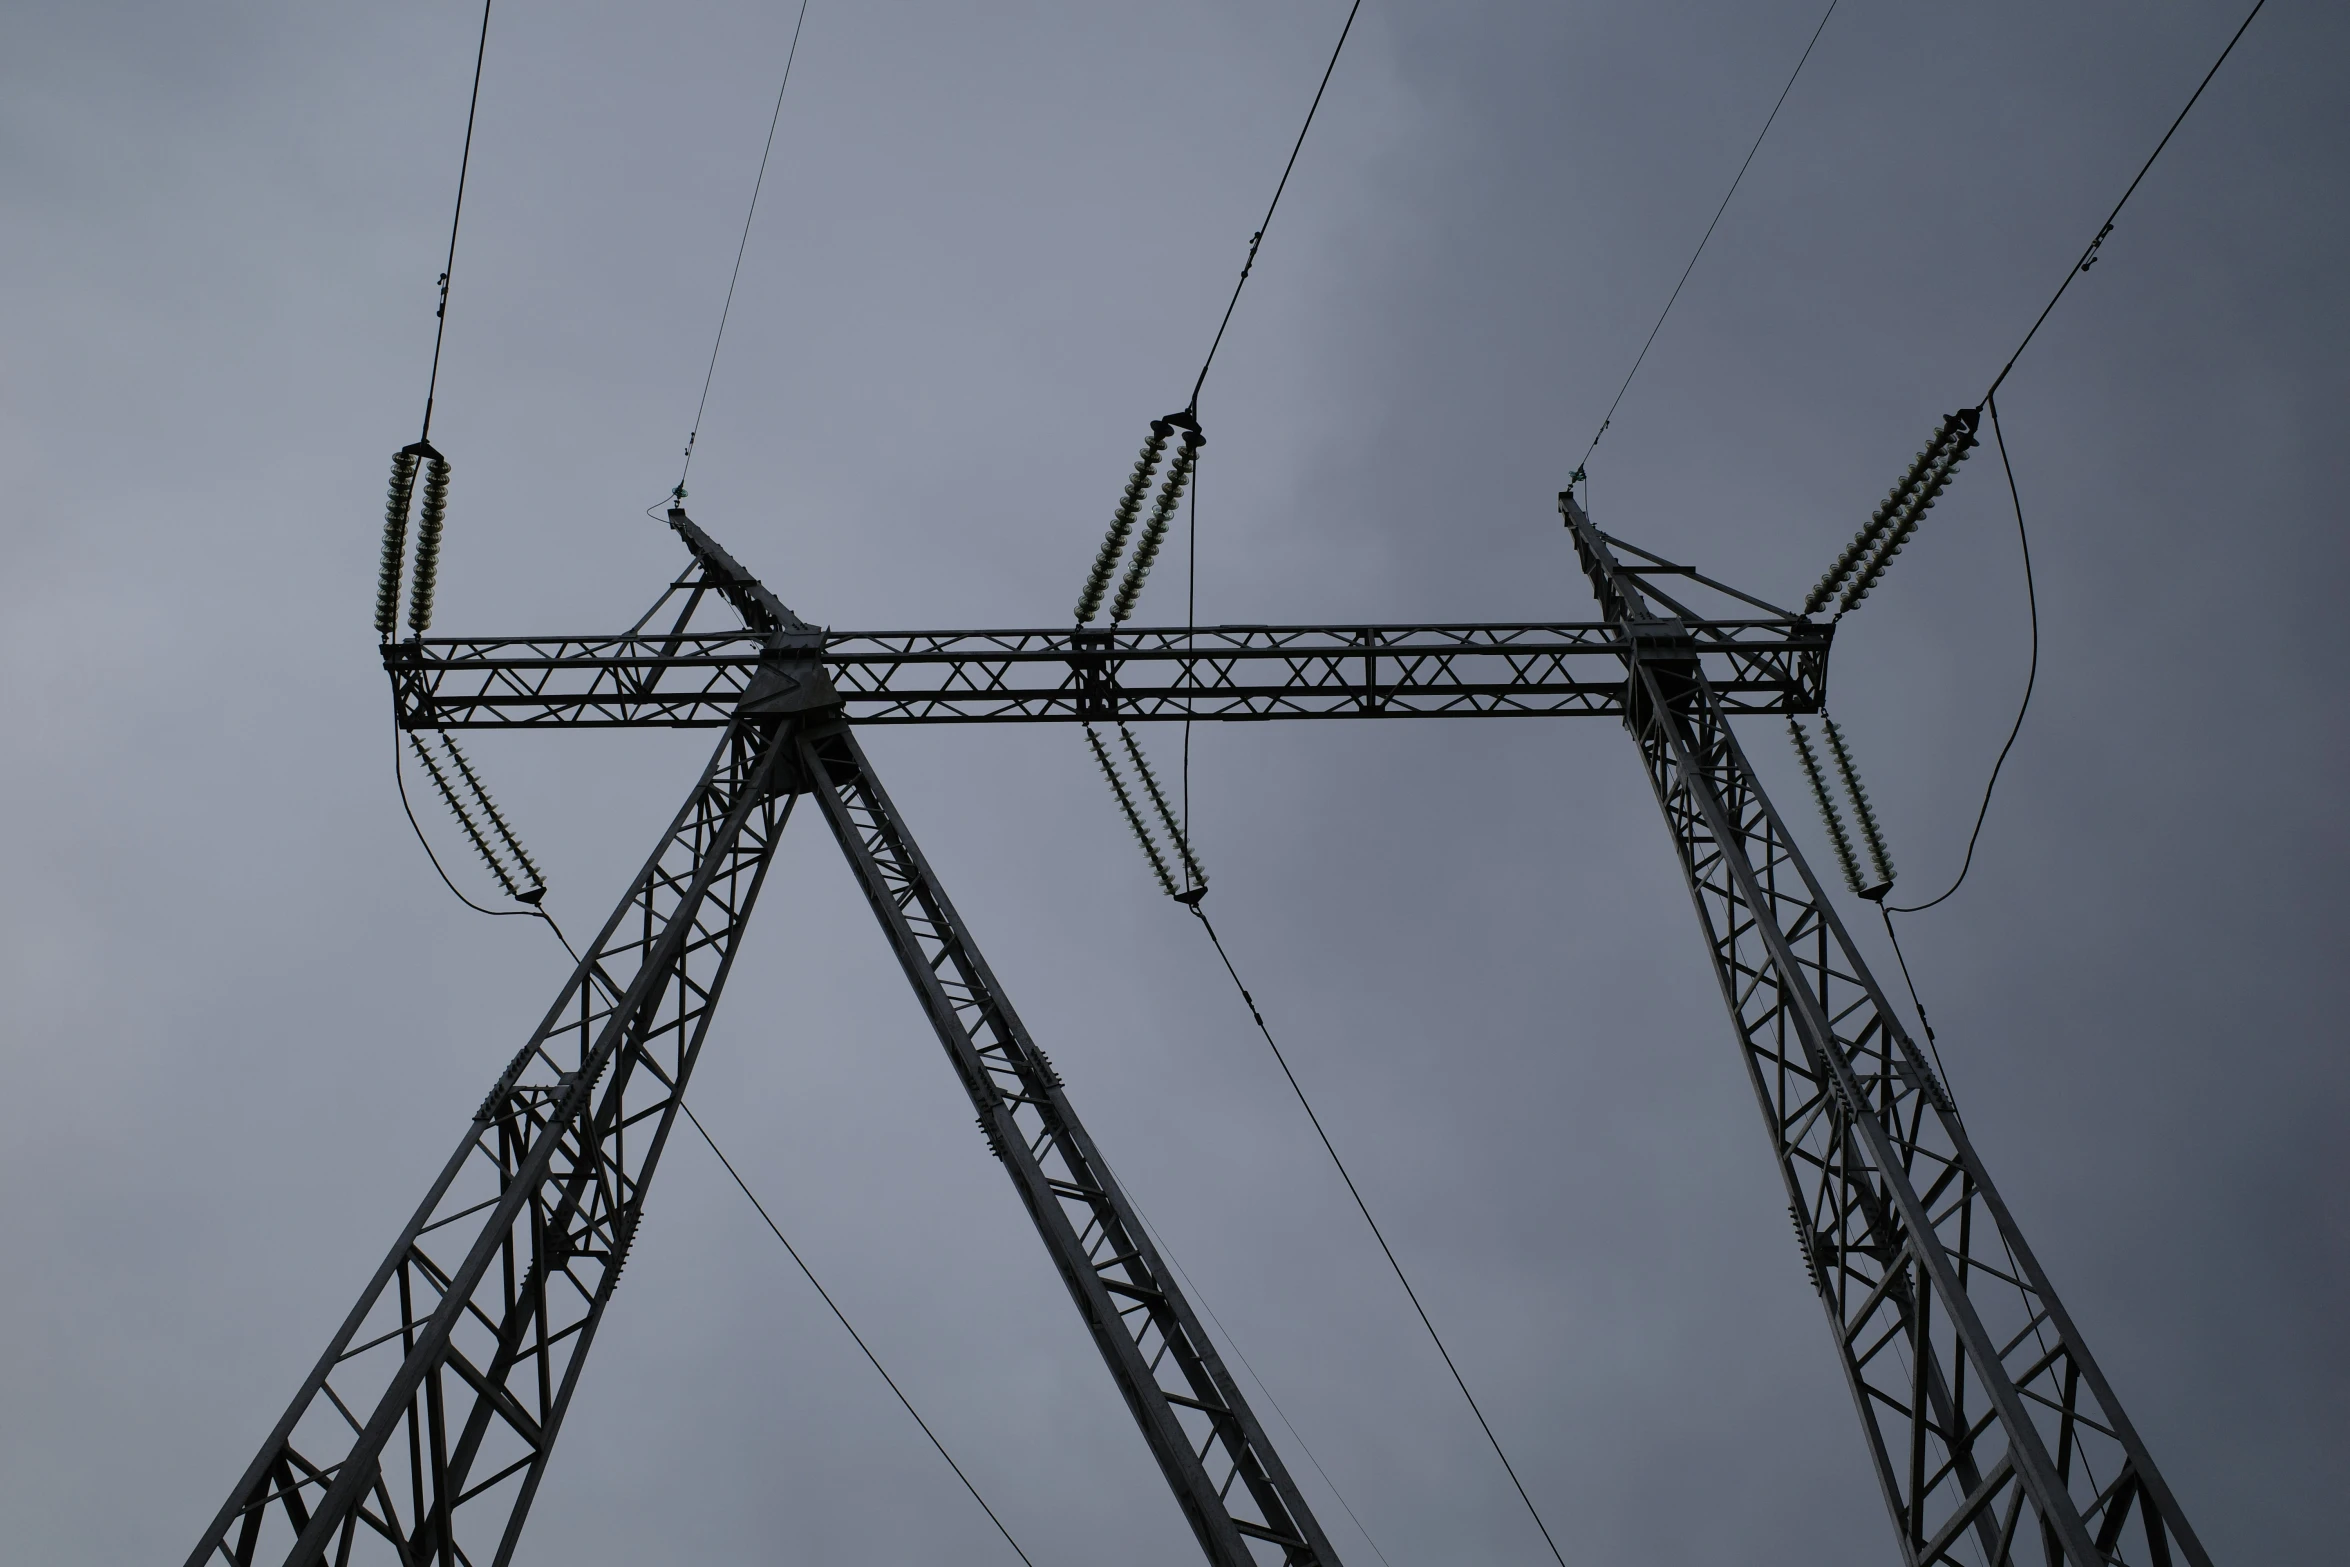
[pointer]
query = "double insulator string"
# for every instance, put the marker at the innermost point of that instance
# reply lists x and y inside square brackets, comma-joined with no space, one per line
[1195,880]
[431,514]
[1154,531]
[1874,886]
[1862,562]
[523,882]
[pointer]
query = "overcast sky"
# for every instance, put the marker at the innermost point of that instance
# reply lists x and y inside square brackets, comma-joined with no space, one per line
[244,1024]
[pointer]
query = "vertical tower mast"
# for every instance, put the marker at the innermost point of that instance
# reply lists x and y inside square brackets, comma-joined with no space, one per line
[1986,1419]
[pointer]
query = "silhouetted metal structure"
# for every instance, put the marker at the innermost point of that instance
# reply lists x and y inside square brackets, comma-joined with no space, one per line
[423,1433]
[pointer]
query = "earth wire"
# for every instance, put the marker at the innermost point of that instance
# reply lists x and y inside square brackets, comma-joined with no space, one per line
[741,246]
[1610,416]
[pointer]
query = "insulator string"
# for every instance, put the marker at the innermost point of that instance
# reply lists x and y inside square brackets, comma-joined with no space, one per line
[1142,832]
[1105,560]
[538,882]
[395,545]
[1154,532]
[1195,880]
[1838,839]
[431,513]
[1880,859]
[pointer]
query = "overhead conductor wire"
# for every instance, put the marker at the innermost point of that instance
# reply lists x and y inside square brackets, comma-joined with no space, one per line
[842,1318]
[1388,1251]
[742,245]
[464,163]
[1258,238]
[1642,358]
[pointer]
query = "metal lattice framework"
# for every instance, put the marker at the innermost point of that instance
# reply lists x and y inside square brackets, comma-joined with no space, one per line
[422,1435]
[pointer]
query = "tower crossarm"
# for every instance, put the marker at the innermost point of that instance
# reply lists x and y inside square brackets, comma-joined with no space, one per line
[1128,674]
[423,1431]
[1995,1436]
[1232,1486]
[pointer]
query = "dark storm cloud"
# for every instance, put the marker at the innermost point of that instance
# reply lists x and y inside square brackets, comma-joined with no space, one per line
[244,1024]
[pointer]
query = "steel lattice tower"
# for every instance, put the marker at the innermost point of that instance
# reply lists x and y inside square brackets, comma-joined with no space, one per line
[422,1434]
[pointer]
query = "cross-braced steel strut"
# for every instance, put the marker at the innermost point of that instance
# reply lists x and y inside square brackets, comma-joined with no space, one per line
[1993,1433]
[422,1434]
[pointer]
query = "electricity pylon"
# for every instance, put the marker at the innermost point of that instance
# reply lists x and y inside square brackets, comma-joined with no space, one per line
[424,1431]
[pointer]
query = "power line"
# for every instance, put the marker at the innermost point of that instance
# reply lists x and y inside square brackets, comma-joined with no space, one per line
[464,163]
[2089,256]
[1258,237]
[2031,676]
[741,246]
[1389,1252]
[842,1318]
[1610,416]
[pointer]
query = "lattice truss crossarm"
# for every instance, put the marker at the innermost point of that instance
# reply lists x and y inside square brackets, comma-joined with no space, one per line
[1127,674]
[1994,1435]
[422,1434]
[1232,1486]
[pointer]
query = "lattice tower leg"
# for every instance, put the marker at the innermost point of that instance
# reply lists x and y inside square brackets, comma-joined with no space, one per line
[1191,1413]
[422,1435]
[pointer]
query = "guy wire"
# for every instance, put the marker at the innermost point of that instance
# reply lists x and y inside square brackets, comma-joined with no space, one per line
[741,246]
[1610,416]
[1258,237]
[464,163]
[1365,1209]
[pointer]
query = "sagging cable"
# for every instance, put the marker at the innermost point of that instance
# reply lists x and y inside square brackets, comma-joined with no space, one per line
[1834,819]
[1154,532]
[1142,832]
[1105,560]
[1856,569]
[1880,860]
[1195,880]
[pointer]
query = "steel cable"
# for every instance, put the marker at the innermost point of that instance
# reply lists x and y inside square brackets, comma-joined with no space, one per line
[1388,1251]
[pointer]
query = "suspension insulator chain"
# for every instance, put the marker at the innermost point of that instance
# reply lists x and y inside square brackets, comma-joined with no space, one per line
[395,548]
[429,517]
[1142,833]
[1105,560]
[537,889]
[1154,532]
[1837,837]
[481,845]
[1858,566]
[1880,860]
[1195,879]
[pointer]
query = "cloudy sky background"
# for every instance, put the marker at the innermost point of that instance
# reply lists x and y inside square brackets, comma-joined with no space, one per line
[244,1023]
